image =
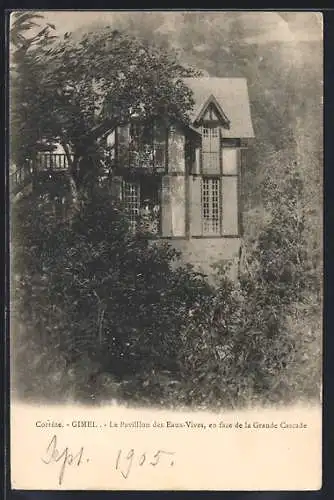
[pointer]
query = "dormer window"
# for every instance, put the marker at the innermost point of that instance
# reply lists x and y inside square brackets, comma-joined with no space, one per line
[208,132]
[210,150]
[214,132]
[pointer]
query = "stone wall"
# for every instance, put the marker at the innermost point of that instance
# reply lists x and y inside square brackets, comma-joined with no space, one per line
[203,252]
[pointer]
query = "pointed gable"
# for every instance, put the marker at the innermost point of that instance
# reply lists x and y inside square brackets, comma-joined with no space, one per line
[212,111]
[230,98]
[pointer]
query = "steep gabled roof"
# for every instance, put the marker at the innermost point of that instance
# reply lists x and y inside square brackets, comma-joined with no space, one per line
[232,96]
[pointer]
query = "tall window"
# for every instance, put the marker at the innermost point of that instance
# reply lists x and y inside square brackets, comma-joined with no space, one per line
[211,150]
[131,200]
[210,205]
[141,198]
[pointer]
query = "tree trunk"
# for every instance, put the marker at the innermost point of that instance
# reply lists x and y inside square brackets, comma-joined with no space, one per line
[82,172]
[71,175]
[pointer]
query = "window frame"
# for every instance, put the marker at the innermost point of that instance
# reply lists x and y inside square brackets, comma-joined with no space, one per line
[204,174]
[126,184]
[208,152]
[210,179]
[137,181]
[214,132]
[205,132]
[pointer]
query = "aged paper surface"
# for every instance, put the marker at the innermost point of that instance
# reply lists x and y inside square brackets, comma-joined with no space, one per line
[143,449]
[236,404]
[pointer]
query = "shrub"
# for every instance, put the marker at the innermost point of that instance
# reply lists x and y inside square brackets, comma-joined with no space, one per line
[254,345]
[90,288]
[108,313]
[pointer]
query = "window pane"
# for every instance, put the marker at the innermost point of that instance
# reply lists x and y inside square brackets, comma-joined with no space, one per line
[230,161]
[210,206]
[131,199]
[142,202]
[214,132]
[210,139]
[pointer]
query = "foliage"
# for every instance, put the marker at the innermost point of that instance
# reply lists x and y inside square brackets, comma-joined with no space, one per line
[79,89]
[90,288]
[262,333]
[112,315]
[30,43]
[105,313]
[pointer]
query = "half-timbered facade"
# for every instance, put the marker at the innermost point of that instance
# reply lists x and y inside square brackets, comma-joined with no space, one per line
[184,181]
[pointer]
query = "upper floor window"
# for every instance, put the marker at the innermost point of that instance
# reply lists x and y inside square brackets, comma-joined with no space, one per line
[210,132]
[211,150]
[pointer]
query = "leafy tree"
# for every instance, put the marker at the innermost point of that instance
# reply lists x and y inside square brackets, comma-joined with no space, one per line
[94,84]
[29,120]
[259,340]
[279,281]
[95,299]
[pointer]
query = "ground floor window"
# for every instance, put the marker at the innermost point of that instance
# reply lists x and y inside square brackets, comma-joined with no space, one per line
[211,211]
[159,205]
[142,201]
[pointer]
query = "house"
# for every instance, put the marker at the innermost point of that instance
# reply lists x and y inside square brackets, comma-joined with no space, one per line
[185,180]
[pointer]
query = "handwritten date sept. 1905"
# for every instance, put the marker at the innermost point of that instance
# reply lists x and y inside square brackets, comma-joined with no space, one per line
[124,460]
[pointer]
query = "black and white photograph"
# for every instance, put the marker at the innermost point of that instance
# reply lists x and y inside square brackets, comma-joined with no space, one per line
[166,225]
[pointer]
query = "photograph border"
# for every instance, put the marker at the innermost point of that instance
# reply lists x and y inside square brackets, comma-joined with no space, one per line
[328,439]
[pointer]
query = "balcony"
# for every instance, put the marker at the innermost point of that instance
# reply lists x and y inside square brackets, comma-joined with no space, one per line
[147,159]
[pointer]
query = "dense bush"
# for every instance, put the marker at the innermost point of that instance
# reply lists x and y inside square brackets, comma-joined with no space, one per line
[91,289]
[262,343]
[105,313]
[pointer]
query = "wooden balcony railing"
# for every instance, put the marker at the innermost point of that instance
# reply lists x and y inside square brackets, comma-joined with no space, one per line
[51,161]
[24,174]
[150,158]
[146,160]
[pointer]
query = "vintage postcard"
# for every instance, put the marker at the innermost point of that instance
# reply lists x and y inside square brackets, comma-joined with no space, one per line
[166,177]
